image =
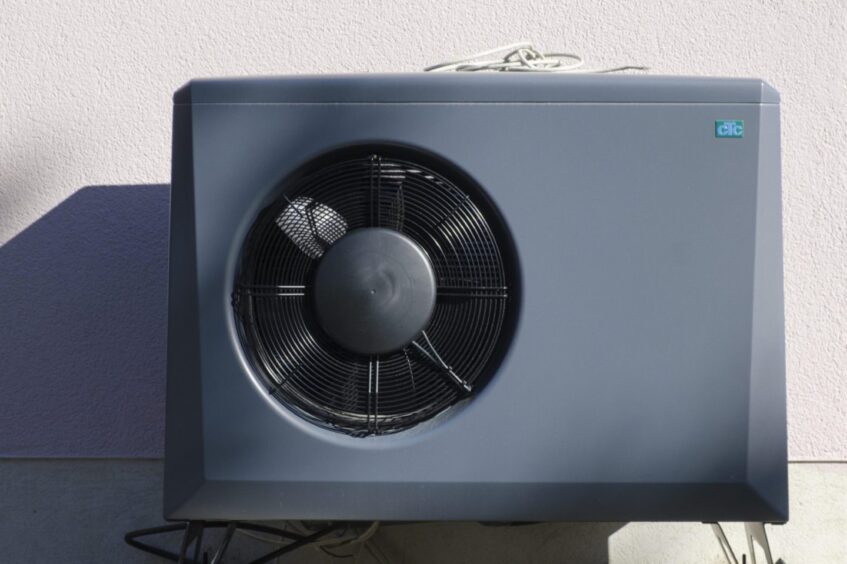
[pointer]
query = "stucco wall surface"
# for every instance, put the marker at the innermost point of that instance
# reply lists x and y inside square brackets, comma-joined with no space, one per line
[85,109]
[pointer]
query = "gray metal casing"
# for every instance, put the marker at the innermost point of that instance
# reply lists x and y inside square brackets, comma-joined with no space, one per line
[646,377]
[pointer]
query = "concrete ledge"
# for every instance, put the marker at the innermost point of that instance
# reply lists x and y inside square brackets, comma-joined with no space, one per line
[62,510]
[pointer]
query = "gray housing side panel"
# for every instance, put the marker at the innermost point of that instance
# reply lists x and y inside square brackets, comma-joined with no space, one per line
[183,412]
[767,467]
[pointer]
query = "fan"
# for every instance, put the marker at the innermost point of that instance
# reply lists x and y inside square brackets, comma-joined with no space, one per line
[377,291]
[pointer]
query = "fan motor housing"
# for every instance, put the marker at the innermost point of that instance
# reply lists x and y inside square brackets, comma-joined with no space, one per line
[374,291]
[616,275]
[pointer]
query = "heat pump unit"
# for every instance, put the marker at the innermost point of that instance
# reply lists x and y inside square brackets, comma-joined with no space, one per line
[501,297]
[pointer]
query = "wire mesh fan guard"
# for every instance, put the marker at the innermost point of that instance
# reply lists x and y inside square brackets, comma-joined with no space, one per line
[472,256]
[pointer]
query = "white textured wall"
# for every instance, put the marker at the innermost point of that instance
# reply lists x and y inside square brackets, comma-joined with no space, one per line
[85,100]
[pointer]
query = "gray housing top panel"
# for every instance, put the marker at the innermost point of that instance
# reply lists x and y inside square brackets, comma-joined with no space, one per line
[477,88]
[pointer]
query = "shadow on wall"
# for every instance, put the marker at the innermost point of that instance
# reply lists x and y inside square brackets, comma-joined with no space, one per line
[587,543]
[83,304]
[84,507]
[82,368]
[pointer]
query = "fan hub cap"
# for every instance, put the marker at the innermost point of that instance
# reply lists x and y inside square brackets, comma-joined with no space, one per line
[374,291]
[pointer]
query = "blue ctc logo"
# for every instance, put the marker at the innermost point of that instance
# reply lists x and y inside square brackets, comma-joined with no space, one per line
[729,128]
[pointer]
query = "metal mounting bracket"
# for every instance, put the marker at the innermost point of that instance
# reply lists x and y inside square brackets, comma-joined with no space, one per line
[754,533]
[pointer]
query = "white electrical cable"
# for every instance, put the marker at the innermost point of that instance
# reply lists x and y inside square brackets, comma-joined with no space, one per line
[345,540]
[522,57]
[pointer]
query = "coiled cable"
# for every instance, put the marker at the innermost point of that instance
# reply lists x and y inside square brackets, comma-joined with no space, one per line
[523,57]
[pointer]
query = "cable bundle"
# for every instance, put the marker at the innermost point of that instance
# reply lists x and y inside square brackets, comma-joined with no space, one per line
[522,57]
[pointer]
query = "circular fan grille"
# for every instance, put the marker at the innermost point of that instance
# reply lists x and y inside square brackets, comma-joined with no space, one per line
[447,215]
